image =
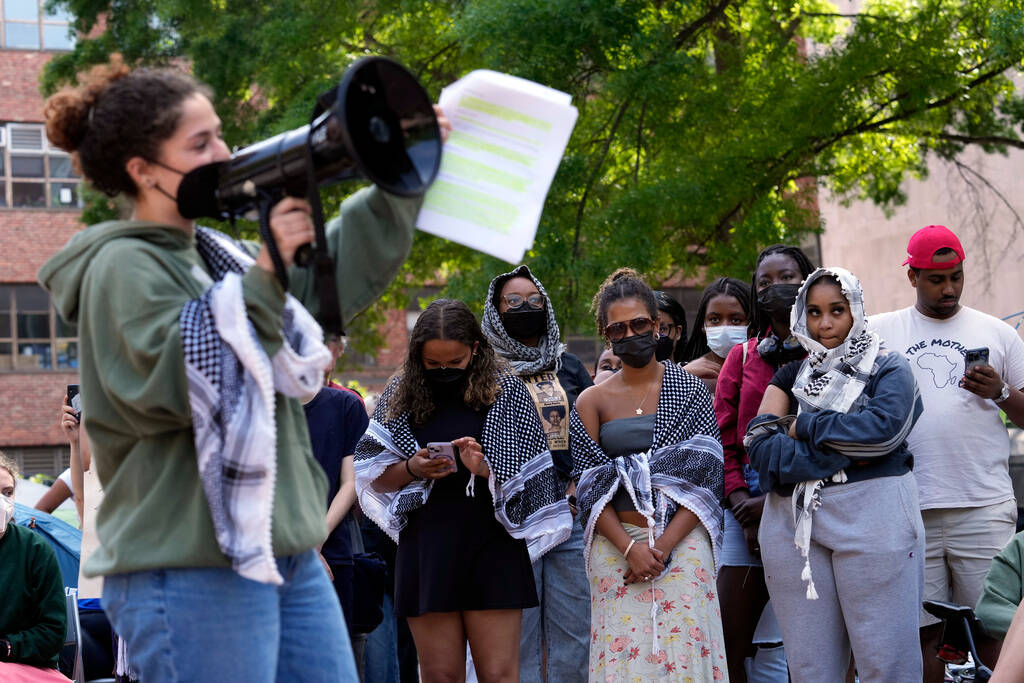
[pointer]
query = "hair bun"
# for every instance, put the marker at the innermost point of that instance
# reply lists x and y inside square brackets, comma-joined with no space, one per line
[69,111]
[624,273]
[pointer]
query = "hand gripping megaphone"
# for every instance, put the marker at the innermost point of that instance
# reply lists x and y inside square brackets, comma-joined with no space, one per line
[378,123]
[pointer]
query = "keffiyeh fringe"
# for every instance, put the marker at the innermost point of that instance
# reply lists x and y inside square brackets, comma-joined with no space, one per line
[528,499]
[684,468]
[829,379]
[232,385]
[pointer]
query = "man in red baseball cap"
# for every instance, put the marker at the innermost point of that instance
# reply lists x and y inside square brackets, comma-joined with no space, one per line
[960,444]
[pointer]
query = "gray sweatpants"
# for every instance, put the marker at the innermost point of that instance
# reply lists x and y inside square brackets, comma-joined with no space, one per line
[867,559]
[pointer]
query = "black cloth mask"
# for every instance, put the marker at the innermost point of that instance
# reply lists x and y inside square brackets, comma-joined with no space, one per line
[636,351]
[525,322]
[777,300]
[666,345]
[446,382]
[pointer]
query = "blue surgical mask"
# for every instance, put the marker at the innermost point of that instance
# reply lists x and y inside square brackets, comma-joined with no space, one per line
[722,338]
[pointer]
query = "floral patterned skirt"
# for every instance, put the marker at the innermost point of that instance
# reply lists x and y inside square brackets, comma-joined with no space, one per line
[691,647]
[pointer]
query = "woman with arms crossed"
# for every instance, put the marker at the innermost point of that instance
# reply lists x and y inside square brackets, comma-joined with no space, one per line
[839,485]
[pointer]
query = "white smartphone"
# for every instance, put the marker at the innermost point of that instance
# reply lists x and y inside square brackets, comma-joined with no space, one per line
[442,449]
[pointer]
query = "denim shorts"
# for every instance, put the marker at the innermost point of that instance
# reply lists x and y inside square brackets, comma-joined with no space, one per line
[734,547]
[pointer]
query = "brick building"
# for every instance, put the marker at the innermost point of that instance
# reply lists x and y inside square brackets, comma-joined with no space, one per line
[39,208]
[39,212]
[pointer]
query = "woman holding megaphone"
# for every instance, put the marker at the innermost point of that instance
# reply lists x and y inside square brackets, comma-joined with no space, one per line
[194,365]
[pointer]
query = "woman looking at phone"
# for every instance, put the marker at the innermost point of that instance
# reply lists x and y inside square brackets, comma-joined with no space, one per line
[195,359]
[648,465]
[839,485]
[466,530]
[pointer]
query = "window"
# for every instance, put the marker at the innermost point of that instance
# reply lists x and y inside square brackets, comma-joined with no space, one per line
[28,25]
[32,335]
[34,175]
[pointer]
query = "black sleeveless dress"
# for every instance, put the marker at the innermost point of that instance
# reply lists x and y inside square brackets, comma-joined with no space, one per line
[453,555]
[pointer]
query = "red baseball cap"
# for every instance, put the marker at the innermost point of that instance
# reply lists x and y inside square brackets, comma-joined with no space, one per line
[928,240]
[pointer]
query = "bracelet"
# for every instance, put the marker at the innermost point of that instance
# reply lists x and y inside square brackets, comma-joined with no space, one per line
[409,470]
[629,547]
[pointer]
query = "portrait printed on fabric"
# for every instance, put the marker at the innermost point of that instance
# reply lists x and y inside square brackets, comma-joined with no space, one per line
[552,407]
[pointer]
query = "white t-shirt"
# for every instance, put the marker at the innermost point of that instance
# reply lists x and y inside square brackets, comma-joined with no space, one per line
[961,447]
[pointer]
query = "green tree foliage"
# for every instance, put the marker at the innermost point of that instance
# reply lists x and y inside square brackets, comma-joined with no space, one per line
[706,128]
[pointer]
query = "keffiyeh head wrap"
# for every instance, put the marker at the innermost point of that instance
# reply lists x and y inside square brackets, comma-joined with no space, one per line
[829,379]
[528,499]
[832,379]
[526,360]
[232,386]
[683,468]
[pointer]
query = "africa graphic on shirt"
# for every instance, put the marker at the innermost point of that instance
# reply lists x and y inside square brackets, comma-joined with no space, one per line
[941,359]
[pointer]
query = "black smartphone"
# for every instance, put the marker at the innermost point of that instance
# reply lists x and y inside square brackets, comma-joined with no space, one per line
[75,401]
[975,357]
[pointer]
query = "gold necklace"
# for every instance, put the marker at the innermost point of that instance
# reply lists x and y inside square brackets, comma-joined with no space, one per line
[639,406]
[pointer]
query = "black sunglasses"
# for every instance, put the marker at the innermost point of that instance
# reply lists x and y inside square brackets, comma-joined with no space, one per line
[617,331]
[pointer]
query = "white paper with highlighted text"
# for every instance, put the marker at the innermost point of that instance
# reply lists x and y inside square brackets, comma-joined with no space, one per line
[508,137]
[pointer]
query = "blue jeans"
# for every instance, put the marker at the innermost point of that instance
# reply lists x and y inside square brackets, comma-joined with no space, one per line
[563,616]
[382,649]
[213,625]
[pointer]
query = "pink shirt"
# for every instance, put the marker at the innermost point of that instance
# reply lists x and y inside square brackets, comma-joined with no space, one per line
[741,386]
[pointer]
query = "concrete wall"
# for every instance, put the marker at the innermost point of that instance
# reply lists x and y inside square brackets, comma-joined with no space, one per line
[862,239]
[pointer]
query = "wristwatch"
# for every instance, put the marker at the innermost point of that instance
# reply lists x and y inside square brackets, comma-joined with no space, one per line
[5,649]
[1004,394]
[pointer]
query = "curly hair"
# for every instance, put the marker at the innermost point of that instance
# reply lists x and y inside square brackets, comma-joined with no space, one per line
[116,113]
[758,321]
[7,463]
[624,283]
[697,345]
[450,320]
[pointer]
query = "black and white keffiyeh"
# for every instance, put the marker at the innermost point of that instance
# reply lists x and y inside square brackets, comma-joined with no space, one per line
[833,379]
[683,468]
[528,500]
[526,360]
[829,379]
[231,384]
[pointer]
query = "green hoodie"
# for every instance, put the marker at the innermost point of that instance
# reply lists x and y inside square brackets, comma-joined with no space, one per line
[124,284]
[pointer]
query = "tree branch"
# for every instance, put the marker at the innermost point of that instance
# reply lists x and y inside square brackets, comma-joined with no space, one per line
[692,29]
[867,126]
[639,143]
[962,168]
[841,15]
[593,178]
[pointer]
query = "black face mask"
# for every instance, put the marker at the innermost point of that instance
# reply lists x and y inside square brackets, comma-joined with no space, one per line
[525,322]
[445,380]
[666,345]
[636,351]
[777,300]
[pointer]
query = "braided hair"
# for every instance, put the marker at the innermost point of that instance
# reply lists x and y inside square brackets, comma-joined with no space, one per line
[758,322]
